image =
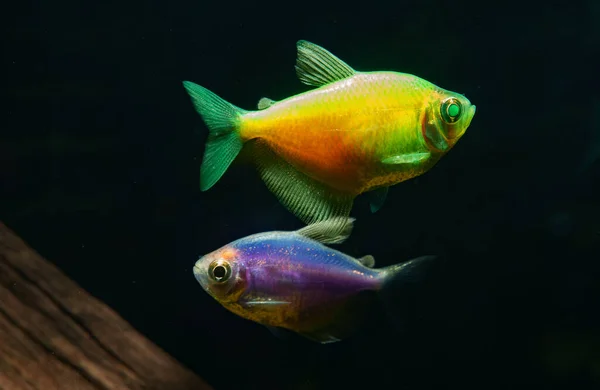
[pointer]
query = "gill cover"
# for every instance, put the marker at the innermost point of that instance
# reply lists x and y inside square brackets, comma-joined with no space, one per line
[445,120]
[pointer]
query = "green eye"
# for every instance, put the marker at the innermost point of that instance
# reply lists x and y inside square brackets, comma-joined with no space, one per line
[451,110]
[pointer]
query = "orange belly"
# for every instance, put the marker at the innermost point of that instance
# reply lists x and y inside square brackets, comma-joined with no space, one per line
[328,154]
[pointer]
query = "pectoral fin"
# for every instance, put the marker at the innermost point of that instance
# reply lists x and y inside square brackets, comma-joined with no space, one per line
[265,303]
[408,158]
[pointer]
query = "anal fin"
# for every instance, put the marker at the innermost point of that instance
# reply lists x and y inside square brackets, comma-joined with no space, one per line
[338,321]
[308,199]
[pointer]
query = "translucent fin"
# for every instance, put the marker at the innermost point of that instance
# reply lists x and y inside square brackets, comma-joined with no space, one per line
[280,333]
[306,198]
[265,103]
[367,261]
[378,197]
[265,303]
[322,337]
[339,320]
[435,137]
[408,158]
[401,283]
[224,143]
[328,231]
[316,66]
[286,334]
[409,271]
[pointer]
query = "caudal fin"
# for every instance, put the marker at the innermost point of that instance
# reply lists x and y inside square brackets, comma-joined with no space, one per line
[400,285]
[224,143]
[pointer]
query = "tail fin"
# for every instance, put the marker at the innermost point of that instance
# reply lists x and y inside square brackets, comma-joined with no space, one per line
[396,291]
[224,142]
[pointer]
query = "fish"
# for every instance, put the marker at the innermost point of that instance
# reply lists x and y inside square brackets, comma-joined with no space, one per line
[356,132]
[291,282]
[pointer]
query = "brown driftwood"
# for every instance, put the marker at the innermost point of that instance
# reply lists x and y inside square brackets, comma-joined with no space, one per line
[54,335]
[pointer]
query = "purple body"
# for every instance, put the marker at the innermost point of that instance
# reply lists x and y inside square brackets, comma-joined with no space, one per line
[290,267]
[288,280]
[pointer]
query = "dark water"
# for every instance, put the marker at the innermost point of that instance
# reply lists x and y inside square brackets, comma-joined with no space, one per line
[99,166]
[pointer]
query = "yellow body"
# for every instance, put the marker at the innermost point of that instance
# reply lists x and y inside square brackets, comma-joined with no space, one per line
[355,132]
[339,133]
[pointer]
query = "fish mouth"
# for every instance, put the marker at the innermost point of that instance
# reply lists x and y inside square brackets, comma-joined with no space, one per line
[472,110]
[199,274]
[471,114]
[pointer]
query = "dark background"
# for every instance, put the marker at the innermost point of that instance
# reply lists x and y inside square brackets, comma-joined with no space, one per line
[99,170]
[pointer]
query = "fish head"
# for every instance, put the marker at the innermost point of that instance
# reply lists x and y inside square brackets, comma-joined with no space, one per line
[446,119]
[221,274]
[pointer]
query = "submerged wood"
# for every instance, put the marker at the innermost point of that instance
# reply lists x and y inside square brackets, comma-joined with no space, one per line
[54,335]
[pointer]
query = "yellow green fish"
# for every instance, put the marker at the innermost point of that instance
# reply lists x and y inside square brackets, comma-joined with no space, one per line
[356,132]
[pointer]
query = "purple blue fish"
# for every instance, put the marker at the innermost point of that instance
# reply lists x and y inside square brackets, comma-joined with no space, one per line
[291,280]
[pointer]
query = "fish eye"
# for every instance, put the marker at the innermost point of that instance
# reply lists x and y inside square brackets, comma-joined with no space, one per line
[219,271]
[451,110]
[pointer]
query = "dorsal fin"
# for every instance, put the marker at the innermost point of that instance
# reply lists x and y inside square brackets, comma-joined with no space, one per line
[265,103]
[330,231]
[316,66]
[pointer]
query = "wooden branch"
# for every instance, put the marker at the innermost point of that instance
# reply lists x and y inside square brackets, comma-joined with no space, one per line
[54,335]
